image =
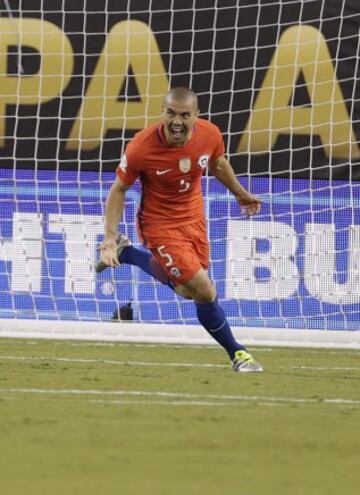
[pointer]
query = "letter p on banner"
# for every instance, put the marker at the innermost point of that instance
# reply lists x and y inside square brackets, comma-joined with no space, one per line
[56,65]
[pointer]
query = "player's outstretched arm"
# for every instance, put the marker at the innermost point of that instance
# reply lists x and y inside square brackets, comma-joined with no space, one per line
[114,209]
[224,173]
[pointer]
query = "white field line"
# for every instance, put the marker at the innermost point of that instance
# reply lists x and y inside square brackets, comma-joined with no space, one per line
[181,346]
[179,395]
[205,346]
[8,343]
[165,364]
[308,351]
[326,368]
[166,402]
[112,362]
[179,403]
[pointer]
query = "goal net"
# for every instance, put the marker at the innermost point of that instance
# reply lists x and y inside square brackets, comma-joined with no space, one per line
[281,81]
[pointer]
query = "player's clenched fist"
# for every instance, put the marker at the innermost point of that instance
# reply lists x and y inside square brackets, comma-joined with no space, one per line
[249,204]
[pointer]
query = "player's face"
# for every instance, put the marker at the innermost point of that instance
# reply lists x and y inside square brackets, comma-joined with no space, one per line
[179,118]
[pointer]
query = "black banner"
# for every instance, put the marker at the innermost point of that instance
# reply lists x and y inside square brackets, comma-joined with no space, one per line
[281,80]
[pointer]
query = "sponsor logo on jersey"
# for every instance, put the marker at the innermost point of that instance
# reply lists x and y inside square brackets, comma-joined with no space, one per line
[123,163]
[175,272]
[203,161]
[185,165]
[162,172]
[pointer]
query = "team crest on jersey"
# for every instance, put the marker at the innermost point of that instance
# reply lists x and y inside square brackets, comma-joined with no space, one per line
[203,161]
[185,165]
[123,163]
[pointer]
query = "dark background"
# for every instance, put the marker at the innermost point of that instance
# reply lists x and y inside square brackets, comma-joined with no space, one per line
[201,42]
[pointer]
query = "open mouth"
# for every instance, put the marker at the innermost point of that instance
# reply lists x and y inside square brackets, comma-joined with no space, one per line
[177,132]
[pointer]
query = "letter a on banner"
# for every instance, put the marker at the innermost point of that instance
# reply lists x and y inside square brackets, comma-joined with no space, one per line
[302,49]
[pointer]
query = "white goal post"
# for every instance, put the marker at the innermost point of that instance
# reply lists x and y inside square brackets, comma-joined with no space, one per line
[281,81]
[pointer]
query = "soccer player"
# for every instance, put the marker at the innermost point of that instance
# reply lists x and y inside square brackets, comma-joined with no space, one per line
[169,158]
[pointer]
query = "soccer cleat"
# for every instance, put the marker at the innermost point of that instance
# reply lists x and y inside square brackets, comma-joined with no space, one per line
[243,362]
[122,242]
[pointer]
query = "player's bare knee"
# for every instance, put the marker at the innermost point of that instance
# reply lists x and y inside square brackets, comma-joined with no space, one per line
[182,291]
[205,294]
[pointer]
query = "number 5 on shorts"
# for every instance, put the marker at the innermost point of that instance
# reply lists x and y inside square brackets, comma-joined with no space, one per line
[160,250]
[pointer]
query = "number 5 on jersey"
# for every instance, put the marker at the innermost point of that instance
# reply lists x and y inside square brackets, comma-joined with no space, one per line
[184,186]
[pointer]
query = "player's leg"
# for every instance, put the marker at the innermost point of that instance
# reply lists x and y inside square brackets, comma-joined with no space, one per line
[182,261]
[146,261]
[127,253]
[209,312]
[180,267]
[197,285]
[212,317]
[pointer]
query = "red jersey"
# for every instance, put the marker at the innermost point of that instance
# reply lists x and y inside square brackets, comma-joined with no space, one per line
[170,175]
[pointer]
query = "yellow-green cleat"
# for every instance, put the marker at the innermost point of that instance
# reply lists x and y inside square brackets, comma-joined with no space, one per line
[243,362]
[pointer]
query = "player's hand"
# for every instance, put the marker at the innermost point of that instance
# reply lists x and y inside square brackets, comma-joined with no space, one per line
[108,252]
[249,204]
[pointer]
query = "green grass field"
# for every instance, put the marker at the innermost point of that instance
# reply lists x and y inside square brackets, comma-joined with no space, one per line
[85,418]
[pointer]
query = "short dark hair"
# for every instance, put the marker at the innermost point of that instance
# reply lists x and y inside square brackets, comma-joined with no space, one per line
[181,93]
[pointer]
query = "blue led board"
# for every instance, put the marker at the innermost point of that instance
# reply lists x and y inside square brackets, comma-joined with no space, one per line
[295,265]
